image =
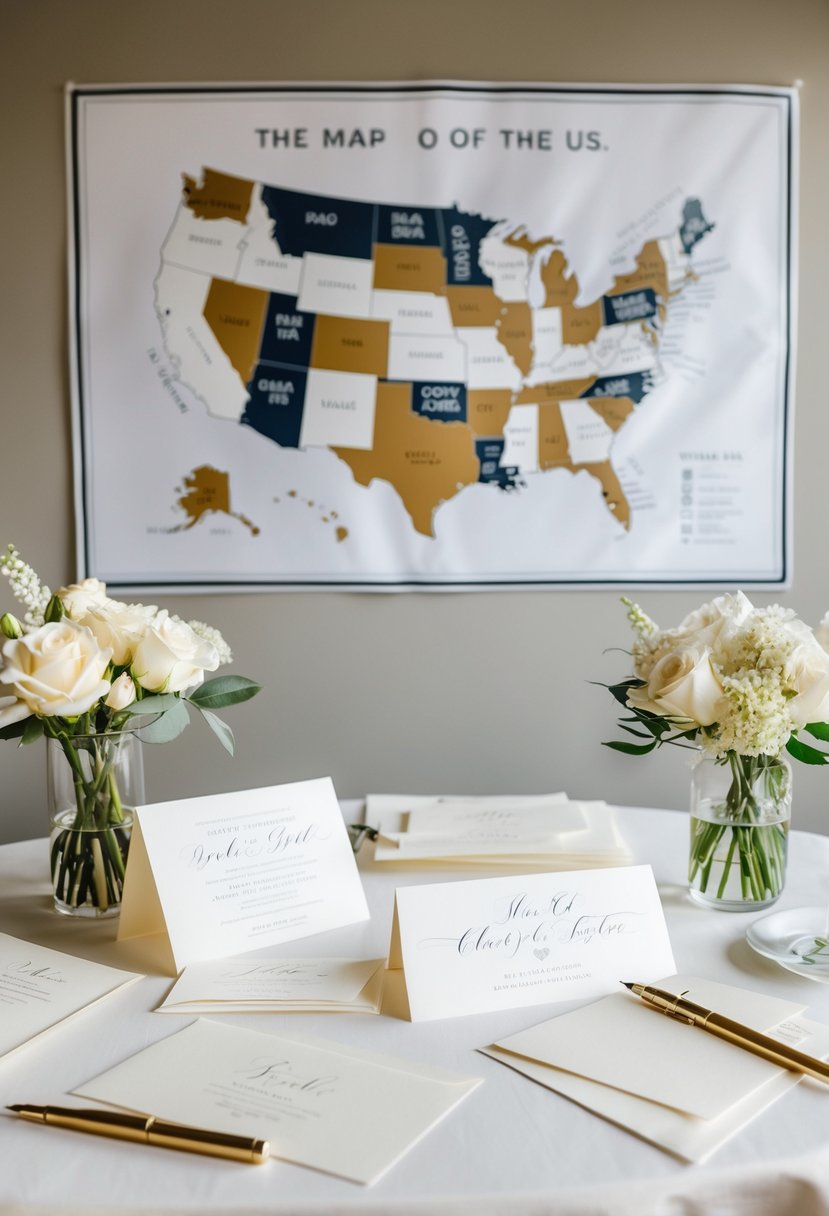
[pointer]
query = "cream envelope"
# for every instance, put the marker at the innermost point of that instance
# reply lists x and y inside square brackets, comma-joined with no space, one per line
[40,988]
[653,1074]
[687,1137]
[281,985]
[514,818]
[502,943]
[213,877]
[341,1110]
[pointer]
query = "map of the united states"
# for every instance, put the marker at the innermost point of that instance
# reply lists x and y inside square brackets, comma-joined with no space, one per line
[430,348]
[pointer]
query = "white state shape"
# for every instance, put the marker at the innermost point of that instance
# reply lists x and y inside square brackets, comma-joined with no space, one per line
[509,268]
[262,263]
[198,359]
[488,364]
[588,435]
[521,435]
[338,410]
[573,362]
[211,246]
[338,286]
[628,349]
[677,261]
[416,357]
[413,312]
[547,338]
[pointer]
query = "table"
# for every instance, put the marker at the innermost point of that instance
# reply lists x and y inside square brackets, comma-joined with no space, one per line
[512,1148]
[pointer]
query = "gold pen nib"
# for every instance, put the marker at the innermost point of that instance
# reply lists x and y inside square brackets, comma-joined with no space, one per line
[625,984]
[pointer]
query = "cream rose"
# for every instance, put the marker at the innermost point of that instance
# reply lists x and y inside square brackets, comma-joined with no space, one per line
[822,632]
[122,692]
[171,657]
[119,626]
[12,710]
[683,685]
[807,673]
[704,625]
[57,669]
[78,598]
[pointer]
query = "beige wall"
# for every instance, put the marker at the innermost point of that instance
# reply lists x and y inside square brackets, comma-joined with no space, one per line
[452,692]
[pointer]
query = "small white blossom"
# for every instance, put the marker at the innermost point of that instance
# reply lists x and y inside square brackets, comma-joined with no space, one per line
[26,587]
[208,634]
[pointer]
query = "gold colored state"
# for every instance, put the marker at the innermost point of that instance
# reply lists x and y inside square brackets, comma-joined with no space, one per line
[236,315]
[346,344]
[409,268]
[219,197]
[487,410]
[515,333]
[474,306]
[427,462]
[206,491]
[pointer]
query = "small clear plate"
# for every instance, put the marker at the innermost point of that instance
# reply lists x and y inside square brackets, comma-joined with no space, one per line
[796,938]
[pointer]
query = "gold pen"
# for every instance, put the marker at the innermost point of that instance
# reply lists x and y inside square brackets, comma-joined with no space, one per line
[732,1032]
[144,1129]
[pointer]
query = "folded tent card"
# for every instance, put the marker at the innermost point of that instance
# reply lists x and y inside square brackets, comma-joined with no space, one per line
[547,830]
[216,876]
[40,988]
[674,1085]
[278,985]
[501,943]
[342,1110]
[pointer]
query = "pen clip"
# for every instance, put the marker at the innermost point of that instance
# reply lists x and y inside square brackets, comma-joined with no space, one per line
[672,1011]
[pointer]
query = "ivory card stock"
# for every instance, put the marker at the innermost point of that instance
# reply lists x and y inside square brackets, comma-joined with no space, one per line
[548,831]
[338,1109]
[678,1087]
[279,985]
[214,877]
[500,943]
[40,987]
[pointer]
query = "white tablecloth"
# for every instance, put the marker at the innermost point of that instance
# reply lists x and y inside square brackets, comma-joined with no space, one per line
[512,1148]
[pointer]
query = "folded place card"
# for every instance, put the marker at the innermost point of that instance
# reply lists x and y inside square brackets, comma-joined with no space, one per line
[676,1086]
[342,1110]
[40,987]
[500,943]
[278,985]
[217,876]
[546,831]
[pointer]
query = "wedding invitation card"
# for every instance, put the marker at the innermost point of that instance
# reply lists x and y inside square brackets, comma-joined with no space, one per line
[342,1110]
[676,1086]
[41,987]
[500,943]
[278,985]
[217,876]
[545,831]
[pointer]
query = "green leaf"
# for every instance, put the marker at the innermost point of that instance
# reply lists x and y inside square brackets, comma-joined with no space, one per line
[167,726]
[820,730]
[224,690]
[640,734]
[806,754]
[632,749]
[153,705]
[33,730]
[220,729]
[620,691]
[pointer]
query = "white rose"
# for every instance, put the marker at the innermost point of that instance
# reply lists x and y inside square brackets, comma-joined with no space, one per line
[12,710]
[704,625]
[822,632]
[119,626]
[682,685]
[171,657]
[56,669]
[78,598]
[122,692]
[807,672]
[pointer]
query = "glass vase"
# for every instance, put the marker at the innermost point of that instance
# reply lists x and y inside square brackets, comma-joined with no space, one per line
[93,782]
[740,811]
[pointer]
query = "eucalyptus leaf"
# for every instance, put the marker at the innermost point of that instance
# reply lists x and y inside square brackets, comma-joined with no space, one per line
[806,754]
[220,729]
[152,705]
[224,690]
[167,726]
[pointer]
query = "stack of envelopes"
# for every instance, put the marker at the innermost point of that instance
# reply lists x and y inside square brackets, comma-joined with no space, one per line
[546,831]
[278,985]
[677,1086]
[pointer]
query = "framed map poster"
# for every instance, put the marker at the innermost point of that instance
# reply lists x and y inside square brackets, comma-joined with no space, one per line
[437,336]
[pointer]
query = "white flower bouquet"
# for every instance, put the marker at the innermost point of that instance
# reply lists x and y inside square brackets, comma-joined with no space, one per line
[742,685]
[85,670]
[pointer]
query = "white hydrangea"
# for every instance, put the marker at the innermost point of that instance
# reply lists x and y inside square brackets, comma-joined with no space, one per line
[26,587]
